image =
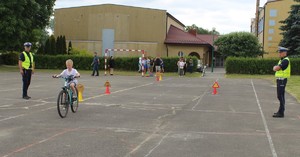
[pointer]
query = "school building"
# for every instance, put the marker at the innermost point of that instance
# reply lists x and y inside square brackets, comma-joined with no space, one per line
[268,28]
[110,26]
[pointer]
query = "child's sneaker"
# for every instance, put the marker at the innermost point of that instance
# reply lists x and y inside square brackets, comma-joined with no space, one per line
[74,98]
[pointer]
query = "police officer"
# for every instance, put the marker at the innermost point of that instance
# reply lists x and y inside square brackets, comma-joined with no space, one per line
[26,66]
[282,73]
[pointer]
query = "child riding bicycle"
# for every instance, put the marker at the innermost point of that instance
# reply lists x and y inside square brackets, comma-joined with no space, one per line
[71,74]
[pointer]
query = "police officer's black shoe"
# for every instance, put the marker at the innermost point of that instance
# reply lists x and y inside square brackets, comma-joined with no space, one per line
[278,115]
[26,97]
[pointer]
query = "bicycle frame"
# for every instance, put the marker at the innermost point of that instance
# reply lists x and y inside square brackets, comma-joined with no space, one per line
[68,89]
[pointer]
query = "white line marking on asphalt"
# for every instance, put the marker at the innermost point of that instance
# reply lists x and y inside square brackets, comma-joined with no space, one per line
[265,123]
[12,117]
[122,90]
[7,90]
[141,144]
[199,100]
[159,143]
[198,97]
[216,111]
[6,105]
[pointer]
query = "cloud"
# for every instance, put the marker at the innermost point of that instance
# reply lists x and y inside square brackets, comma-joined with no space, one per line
[225,16]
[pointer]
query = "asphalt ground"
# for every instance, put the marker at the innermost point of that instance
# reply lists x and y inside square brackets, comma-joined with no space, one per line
[176,117]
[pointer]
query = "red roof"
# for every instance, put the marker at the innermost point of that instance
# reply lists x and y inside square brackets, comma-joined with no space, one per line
[208,38]
[178,36]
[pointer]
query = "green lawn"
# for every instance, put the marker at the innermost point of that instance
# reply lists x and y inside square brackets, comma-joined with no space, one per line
[293,85]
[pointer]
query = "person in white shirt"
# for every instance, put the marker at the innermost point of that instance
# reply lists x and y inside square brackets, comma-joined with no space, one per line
[181,65]
[70,72]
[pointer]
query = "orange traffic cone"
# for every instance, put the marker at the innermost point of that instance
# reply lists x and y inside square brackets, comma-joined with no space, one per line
[215,86]
[107,90]
[215,91]
[107,85]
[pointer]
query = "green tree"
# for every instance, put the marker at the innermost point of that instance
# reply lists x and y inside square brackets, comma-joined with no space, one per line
[23,20]
[59,45]
[239,44]
[64,45]
[291,30]
[70,47]
[53,45]
[47,48]
[201,30]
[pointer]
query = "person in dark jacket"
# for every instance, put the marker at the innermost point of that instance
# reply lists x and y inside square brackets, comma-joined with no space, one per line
[111,65]
[95,65]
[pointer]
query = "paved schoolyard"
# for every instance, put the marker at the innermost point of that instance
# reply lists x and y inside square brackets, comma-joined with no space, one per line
[177,117]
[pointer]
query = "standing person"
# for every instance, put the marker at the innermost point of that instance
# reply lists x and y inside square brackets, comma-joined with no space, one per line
[157,64]
[185,66]
[162,65]
[282,73]
[140,64]
[148,65]
[26,66]
[151,65]
[111,65]
[191,65]
[95,64]
[144,66]
[178,65]
[181,65]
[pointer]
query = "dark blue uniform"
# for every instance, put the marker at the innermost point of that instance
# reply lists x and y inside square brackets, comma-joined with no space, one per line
[26,78]
[95,66]
[281,84]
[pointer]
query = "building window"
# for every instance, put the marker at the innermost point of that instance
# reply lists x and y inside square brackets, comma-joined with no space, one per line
[273,13]
[271,22]
[270,38]
[271,31]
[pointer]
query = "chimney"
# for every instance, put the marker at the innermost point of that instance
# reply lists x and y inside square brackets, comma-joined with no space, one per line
[193,31]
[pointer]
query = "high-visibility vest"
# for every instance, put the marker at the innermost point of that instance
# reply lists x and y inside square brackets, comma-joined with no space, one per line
[26,63]
[284,73]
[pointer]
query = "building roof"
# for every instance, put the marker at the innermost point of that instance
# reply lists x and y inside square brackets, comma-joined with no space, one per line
[208,38]
[109,4]
[178,36]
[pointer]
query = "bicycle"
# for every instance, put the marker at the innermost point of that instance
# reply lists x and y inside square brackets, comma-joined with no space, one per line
[65,98]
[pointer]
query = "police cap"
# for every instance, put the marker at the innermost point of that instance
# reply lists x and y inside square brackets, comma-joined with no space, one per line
[27,44]
[282,49]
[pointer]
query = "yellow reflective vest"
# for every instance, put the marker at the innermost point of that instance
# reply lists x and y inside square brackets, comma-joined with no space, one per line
[284,73]
[26,63]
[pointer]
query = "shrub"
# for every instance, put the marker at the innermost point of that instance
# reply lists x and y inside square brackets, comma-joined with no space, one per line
[84,62]
[10,58]
[257,66]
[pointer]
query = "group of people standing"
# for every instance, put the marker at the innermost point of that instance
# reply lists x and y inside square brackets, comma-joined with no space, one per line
[150,65]
[185,65]
[96,62]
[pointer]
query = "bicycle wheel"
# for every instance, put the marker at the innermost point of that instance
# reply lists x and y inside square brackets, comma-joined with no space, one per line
[63,103]
[74,105]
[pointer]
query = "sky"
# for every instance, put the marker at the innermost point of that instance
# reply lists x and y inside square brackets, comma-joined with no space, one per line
[224,15]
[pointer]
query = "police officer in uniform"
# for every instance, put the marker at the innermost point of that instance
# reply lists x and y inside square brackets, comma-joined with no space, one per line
[282,73]
[26,66]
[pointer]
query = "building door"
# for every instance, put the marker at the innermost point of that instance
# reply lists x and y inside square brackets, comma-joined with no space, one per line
[108,39]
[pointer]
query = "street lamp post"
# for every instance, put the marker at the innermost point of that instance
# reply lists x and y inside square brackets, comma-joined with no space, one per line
[212,50]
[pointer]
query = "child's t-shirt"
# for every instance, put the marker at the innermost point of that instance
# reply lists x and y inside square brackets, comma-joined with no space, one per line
[181,65]
[66,73]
